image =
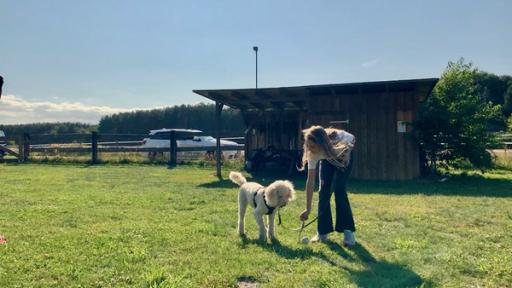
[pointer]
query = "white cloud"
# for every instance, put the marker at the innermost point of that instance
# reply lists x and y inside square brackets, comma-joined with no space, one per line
[370,63]
[16,110]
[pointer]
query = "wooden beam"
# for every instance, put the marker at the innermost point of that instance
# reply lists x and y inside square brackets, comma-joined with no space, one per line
[299,104]
[258,105]
[9,151]
[230,100]
[263,95]
[277,104]
[247,101]
[240,95]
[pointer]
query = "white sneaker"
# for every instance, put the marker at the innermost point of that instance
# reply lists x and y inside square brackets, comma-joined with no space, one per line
[349,239]
[319,238]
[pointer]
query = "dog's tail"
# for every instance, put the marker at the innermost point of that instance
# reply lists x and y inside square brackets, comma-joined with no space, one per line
[237,178]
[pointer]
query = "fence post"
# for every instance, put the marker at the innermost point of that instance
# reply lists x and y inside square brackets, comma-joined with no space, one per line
[20,148]
[173,153]
[94,147]
[26,146]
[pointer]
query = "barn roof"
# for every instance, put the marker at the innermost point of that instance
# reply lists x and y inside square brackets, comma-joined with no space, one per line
[294,98]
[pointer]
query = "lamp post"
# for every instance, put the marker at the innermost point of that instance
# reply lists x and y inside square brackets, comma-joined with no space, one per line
[255,48]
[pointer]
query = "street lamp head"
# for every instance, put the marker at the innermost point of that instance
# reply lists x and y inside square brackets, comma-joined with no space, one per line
[255,48]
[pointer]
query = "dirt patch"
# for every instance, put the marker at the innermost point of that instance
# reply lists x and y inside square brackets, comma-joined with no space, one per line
[247,282]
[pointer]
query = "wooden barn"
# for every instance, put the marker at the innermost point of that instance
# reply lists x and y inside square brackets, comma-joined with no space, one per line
[377,113]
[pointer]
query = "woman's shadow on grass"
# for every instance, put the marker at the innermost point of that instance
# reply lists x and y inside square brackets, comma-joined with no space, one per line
[374,273]
[378,273]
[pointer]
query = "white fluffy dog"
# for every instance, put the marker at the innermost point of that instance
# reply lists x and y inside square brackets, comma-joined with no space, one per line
[264,200]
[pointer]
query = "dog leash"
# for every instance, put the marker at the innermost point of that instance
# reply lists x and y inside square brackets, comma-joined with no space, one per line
[304,225]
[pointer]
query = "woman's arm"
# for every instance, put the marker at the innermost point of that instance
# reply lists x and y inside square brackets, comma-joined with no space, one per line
[310,186]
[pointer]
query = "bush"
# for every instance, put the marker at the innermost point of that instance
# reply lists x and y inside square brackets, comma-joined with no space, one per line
[453,122]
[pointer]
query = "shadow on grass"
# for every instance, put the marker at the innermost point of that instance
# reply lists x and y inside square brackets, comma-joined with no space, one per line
[288,252]
[459,185]
[474,185]
[224,183]
[377,273]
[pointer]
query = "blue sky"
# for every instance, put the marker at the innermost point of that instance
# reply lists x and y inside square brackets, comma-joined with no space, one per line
[78,60]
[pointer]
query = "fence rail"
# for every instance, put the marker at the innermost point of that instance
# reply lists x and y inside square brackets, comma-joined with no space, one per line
[133,149]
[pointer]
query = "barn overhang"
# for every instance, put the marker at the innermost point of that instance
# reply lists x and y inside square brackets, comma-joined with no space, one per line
[296,98]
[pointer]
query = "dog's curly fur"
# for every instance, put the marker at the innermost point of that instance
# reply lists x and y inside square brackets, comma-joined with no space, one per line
[277,195]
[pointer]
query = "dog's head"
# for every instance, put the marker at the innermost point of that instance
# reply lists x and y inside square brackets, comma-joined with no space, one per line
[279,193]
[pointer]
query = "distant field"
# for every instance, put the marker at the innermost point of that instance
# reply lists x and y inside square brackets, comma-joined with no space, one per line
[148,226]
[503,157]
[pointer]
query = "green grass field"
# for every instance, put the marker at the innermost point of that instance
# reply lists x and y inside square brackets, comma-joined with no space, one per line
[148,226]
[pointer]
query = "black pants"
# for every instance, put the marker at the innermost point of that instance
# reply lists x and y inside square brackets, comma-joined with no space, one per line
[333,177]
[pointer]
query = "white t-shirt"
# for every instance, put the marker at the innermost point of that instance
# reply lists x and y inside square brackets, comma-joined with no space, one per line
[342,136]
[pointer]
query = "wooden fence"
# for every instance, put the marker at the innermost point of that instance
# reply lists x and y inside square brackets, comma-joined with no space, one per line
[92,144]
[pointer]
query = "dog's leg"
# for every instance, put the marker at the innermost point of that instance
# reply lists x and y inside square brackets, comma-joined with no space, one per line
[271,217]
[242,207]
[259,219]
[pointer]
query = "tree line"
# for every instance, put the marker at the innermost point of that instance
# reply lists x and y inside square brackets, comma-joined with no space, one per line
[49,128]
[200,116]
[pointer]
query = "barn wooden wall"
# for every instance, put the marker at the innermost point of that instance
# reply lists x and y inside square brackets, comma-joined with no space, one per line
[381,153]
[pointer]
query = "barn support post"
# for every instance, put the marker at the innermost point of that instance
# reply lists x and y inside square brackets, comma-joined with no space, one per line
[94,147]
[247,134]
[173,154]
[218,153]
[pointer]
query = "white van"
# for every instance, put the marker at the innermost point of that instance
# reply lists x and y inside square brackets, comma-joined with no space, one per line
[185,138]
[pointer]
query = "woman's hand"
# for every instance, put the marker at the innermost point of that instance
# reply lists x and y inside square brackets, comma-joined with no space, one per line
[304,215]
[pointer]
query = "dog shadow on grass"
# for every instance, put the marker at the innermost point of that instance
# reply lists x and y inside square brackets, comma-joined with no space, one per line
[226,183]
[288,252]
[378,273]
[223,183]
[263,180]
